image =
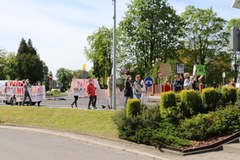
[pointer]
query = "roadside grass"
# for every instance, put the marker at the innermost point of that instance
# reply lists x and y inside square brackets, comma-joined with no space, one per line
[90,122]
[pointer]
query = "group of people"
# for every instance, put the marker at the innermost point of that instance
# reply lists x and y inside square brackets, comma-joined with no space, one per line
[131,89]
[189,82]
[135,89]
[91,91]
[26,86]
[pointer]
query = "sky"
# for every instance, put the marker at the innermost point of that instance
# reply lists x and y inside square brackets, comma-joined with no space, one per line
[59,28]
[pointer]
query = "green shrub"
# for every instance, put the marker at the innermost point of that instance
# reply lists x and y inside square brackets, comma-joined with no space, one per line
[191,103]
[229,95]
[167,100]
[148,128]
[54,93]
[210,99]
[133,107]
[218,123]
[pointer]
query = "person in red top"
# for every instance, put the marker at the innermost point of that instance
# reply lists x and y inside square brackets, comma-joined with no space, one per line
[91,90]
[167,86]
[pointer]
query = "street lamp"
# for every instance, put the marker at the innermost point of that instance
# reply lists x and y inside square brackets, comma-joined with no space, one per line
[236,4]
[114,58]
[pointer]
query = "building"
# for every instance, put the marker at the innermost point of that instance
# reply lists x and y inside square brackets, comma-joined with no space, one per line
[236,4]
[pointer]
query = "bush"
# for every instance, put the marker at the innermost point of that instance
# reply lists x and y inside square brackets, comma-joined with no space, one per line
[191,103]
[148,128]
[167,100]
[218,123]
[210,99]
[229,95]
[133,108]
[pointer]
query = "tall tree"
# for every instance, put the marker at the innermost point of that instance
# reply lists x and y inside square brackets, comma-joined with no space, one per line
[205,34]
[99,53]
[23,48]
[149,32]
[29,63]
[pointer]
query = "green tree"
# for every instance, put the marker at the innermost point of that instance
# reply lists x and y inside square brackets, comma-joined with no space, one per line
[64,76]
[149,33]
[11,68]
[29,64]
[235,22]
[3,54]
[205,34]
[99,53]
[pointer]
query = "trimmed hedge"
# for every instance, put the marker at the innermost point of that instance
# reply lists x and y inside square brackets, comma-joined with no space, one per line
[229,95]
[191,103]
[167,100]
[133,108]
[149,128]
[210,99]
[218,123]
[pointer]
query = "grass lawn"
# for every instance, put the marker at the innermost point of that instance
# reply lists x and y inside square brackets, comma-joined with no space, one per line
[90,122]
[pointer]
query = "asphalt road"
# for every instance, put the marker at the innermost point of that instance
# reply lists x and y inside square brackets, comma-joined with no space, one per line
[27,145]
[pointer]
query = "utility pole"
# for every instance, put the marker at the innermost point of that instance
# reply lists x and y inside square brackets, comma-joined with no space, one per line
[114,59]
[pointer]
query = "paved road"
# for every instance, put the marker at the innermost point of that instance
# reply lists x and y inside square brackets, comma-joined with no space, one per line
[18,143]
[83,102]
[27,145]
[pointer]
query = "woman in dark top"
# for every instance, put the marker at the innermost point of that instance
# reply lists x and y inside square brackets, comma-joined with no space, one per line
[128,92]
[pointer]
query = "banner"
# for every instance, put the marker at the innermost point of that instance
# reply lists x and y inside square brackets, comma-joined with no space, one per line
[79,87]
[10,89]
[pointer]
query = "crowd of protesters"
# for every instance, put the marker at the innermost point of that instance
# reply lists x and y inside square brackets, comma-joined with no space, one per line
[136,88]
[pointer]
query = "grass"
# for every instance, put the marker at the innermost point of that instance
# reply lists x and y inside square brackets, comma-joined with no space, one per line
[92,122]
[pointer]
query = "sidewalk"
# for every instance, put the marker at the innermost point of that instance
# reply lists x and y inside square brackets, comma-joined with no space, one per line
[141,150]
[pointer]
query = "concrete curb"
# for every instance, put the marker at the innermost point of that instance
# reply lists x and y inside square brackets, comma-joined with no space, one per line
[122,145]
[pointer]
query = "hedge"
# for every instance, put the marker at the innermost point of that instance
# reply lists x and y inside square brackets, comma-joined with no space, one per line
[133,107]
[191,103]
[229,95]
[210,99]
[167,100]
[218,123]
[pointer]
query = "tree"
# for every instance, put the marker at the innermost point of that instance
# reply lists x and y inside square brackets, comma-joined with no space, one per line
[11,68]
[149,33]
[219,64]
[29,63]
[64,76]
[99,53]
[205,34]
[235,22]
[3,54]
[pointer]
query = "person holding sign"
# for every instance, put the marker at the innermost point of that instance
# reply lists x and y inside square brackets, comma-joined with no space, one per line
[27,87]
[75,95]
[187,82]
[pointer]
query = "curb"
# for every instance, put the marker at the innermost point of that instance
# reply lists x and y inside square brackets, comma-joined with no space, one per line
[122,145]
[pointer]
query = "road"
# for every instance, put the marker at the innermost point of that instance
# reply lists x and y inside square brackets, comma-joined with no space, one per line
[27,145]
[65,102]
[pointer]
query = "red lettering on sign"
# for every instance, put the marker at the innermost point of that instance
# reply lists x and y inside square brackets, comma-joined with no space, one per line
[19,90]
